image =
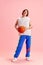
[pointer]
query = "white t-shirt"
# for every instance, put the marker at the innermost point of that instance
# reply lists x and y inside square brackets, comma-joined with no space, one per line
[24,21]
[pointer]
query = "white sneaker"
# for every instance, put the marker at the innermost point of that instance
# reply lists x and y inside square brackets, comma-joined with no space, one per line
[15,59]
[27,58]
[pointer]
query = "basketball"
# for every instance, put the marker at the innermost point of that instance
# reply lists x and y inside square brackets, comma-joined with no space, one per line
[21,29]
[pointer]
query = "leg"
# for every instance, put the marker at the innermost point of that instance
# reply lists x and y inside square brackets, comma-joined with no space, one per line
[19,47]
[28,45]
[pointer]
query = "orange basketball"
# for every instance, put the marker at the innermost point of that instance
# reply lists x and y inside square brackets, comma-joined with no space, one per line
[21,29]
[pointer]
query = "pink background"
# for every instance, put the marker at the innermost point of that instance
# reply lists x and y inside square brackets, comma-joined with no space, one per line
[10,10]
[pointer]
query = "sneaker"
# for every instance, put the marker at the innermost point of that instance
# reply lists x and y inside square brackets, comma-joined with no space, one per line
[15,59]
[27,58]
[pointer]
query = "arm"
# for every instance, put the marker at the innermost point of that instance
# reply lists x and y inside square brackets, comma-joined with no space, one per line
[30,25]
[16,24]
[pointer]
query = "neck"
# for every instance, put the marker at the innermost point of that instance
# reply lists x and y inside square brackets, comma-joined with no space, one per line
[23,16]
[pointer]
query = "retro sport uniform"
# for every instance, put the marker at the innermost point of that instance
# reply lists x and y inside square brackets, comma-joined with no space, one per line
[24,21]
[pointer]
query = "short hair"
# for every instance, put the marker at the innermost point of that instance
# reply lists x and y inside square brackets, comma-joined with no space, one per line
[24,11]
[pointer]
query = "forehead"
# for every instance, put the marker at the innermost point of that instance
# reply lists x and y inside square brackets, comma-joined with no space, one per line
[25,11]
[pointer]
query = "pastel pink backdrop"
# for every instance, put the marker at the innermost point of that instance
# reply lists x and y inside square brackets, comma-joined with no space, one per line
[10,10]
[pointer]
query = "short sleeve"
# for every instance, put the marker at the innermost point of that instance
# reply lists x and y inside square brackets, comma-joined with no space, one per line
[28,19]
